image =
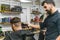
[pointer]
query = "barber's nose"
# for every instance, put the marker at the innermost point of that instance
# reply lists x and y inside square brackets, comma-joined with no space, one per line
[44,8]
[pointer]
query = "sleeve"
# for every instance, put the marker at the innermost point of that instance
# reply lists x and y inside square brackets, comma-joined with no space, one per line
[24,32]
[21,32]
[58,25]
[42,25]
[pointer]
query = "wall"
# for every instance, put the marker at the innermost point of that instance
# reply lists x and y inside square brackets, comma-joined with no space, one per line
[57,2]
[25,16]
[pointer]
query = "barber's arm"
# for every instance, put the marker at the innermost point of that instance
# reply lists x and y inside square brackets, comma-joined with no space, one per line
[34,26]
[58,25]
[40,26]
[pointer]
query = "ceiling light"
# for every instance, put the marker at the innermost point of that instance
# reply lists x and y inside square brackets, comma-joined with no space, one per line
[25,1]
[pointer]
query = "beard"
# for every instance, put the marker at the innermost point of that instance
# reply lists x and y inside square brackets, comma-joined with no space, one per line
[48,12]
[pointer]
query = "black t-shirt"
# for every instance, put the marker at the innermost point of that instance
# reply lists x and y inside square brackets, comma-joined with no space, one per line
[52,23]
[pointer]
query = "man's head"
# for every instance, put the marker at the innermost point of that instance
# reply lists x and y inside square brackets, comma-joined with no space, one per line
[48,5]
[16,23]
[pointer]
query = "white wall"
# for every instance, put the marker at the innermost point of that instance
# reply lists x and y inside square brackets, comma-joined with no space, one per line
[25,16]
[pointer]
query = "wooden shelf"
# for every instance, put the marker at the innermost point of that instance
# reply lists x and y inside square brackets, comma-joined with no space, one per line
[36,13]
[5,23]
[9,12]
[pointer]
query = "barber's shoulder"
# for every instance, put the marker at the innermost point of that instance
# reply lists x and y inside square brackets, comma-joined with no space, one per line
[58,15]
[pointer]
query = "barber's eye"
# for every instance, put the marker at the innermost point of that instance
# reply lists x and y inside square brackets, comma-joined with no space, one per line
[45,7]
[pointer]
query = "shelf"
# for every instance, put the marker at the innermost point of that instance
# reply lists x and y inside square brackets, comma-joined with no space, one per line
[36,13]
[8,12]
[5,23]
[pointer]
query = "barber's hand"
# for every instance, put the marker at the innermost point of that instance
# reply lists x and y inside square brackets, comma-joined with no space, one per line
[58,38]
[29,24]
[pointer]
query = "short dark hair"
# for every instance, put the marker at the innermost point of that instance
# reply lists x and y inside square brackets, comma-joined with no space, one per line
[48,2]
[15,20]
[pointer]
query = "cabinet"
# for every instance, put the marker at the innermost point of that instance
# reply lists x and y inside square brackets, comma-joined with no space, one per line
[8,10]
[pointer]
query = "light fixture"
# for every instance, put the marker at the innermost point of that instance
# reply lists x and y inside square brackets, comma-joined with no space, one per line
[25,0]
